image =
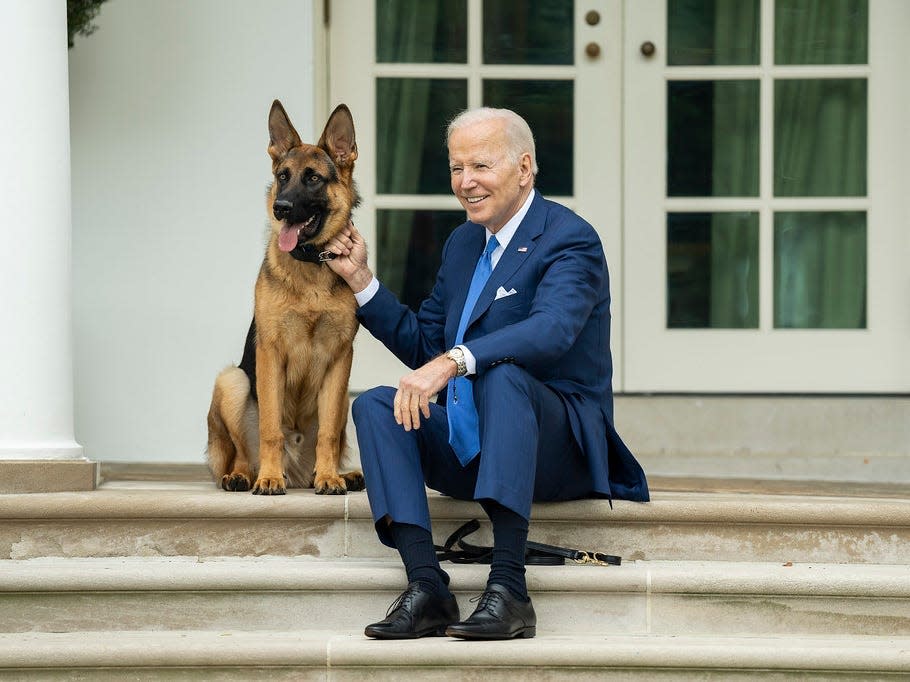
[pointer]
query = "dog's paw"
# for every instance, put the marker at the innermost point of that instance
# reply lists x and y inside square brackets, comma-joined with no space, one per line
[330,485]
[235,483]
[354,481]
[269,486]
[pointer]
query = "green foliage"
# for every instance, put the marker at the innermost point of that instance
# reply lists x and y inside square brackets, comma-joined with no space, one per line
[79,17]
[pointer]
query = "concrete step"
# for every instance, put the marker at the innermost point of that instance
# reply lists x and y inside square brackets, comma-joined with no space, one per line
[194,519]
[642,597]
[339,655]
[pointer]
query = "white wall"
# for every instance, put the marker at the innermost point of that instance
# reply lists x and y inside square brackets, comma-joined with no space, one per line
[169,100]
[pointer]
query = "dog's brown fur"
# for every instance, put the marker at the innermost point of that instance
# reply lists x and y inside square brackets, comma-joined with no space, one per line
[305,326]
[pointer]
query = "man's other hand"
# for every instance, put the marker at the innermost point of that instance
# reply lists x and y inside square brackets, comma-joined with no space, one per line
[416,389]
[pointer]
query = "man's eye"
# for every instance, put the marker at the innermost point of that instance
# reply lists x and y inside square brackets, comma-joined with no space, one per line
[453,171]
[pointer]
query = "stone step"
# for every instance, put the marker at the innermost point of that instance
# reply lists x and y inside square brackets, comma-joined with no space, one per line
[340,655]
[194,519]
[641,597]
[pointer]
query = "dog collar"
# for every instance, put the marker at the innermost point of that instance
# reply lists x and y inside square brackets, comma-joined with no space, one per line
[310,254]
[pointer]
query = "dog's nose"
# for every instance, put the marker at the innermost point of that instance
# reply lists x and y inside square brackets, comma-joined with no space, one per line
[282,208]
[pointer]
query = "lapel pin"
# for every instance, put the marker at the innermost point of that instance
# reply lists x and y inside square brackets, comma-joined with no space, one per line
[522,249]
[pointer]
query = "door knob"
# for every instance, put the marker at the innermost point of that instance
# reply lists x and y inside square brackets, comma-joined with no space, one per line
[592,50]
[647,48]
[592,17]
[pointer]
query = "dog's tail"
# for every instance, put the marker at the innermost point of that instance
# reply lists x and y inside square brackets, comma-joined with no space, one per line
[227,423]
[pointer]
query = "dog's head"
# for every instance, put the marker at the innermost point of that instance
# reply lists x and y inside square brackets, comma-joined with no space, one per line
[313,190]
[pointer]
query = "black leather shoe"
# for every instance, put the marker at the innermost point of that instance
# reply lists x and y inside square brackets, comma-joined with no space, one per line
[416,613]
[499,615]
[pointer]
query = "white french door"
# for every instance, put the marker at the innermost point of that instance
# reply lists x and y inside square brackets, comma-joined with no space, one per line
[765,226]
[742,161]
[407,67]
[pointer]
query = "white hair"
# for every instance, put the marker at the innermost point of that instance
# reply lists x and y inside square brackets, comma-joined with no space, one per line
[519,138]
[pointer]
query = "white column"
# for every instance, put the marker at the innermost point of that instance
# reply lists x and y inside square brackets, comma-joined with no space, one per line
[36,337]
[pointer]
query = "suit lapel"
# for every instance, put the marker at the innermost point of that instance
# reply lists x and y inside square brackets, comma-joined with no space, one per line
[464,268]
[520,248]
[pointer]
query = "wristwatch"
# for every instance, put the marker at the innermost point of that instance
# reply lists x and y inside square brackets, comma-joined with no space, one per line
[456,355]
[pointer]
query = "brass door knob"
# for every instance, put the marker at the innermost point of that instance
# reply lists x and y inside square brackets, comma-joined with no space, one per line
[648,49]
[592,17]
[592,50]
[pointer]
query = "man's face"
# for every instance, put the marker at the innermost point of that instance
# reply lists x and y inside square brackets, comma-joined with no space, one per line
[490,185]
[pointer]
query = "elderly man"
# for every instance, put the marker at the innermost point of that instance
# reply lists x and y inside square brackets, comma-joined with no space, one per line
[515,340]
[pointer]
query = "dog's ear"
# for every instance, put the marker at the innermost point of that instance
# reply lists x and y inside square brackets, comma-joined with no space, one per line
[282,136]
[338,137]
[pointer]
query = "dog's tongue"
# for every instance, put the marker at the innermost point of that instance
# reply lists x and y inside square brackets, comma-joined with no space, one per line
[287,238]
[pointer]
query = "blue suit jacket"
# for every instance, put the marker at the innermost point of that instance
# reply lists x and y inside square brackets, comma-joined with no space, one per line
[556,326]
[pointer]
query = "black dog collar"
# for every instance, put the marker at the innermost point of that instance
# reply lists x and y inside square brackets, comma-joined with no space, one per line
[310,254]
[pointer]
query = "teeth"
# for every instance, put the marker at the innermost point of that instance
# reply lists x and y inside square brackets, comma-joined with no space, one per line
[473,200]
[303,226]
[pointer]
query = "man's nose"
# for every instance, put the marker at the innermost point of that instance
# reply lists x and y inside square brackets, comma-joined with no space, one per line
[467,178]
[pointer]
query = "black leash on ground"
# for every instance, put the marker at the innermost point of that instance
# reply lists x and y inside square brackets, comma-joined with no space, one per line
[537,554]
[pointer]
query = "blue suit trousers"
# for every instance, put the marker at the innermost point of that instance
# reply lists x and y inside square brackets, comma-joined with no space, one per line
[527,451]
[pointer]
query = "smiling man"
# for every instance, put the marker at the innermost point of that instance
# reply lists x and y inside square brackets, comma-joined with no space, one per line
[514,342]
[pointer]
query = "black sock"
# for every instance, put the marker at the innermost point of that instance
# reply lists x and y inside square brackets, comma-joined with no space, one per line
[510,537]
[415,545]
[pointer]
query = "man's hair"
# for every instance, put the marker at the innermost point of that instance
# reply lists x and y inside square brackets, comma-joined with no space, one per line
[519,138]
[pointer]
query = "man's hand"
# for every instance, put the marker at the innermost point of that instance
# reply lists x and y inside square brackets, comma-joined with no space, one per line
[350,260]
[416,388]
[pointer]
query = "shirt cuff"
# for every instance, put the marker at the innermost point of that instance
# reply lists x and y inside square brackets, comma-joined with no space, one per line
[363,297]
[469,360]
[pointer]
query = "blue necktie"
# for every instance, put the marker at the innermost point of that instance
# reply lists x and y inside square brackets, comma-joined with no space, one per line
[464,431]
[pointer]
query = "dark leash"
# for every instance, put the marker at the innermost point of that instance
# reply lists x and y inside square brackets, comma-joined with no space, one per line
[537,553]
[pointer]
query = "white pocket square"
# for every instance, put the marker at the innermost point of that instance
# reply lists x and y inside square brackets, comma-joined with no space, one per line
[502,293]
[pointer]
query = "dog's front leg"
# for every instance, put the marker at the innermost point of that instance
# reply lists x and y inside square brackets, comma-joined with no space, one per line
[270,387]
[330,440]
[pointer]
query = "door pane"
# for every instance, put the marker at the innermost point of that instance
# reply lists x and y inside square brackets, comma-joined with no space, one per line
[712,270]
[820,270]
[422,31]
[712,138]
[713,32]
[526,32]
[821,31]
[411,119]
[409,247]
[548,109]
[820,137]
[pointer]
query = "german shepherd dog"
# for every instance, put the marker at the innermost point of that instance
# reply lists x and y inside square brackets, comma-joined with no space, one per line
[279,419]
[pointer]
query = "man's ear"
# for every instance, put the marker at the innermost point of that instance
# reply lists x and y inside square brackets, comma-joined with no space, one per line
[525,173]
[282,136]
[338,137]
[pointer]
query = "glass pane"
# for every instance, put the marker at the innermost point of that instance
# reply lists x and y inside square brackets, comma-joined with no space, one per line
[821,32]
[409,250]
[712,270]
[713,32]
[422,31]
[820,270]
[712,138]
[526,32]
[820,137]
[547,106]
[411,119]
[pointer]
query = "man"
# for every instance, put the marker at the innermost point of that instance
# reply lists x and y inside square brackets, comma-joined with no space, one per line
[515,339]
